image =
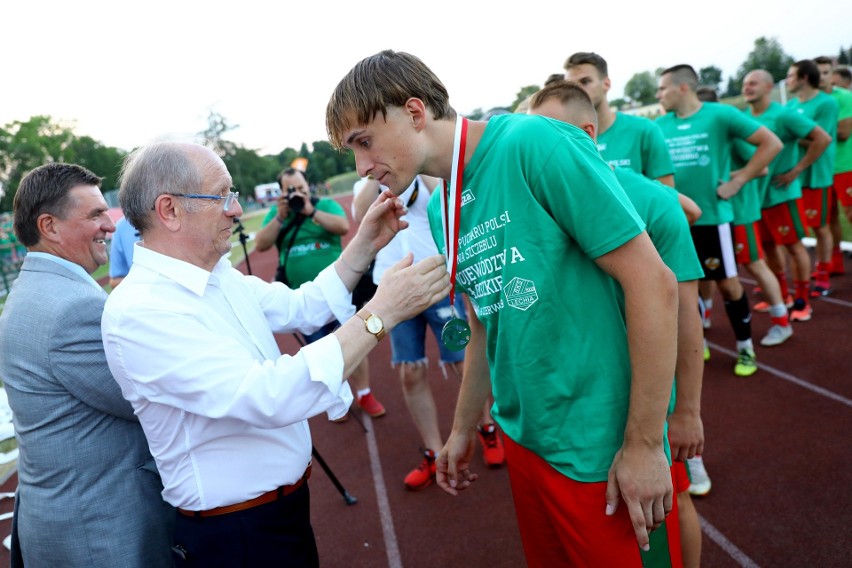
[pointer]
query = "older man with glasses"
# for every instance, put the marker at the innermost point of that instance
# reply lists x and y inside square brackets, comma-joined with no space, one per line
[190,341]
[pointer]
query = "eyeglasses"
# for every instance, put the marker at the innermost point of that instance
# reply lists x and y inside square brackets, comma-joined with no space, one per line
[229,199]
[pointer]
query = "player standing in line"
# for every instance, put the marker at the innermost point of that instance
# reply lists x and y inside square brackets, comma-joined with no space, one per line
[699,137]
[803,80]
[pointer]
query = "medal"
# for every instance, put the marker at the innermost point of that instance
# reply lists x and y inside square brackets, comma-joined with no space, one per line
[456,332]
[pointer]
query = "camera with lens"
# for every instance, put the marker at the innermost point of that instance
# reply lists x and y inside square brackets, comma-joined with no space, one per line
[296,202]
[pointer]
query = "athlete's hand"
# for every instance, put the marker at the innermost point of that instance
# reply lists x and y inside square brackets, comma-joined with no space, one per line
[686,435]
[783,180]
[453,463]
[729,189]
[640,475]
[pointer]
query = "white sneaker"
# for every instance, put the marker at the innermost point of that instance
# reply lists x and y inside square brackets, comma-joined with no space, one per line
[777,335]
[699,480]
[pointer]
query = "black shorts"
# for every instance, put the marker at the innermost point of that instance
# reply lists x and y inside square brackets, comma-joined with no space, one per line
[715,247]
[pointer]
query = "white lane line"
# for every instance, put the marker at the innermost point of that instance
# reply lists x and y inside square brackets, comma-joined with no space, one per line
[788,377]
[729,547]
[388,531]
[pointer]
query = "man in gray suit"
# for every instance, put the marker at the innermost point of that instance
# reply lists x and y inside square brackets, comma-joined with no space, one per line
[88,488]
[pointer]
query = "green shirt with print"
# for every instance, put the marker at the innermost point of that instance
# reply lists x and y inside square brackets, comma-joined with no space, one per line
[556,331]
[823,110]
[700,147]
[313,249]
[747,202]
[637,143]
[843,156]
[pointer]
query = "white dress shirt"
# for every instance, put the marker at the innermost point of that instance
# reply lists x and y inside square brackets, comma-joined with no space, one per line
[225,413]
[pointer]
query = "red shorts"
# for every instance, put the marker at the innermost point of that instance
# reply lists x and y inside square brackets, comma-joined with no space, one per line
[680,477]
[747,244]
[563,522]
[843,188]
[817,206]
[782,224]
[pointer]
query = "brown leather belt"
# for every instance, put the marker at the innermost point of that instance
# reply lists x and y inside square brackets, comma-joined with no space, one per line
[267,497]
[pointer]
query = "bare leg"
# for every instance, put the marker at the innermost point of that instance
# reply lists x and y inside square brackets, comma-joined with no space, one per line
[421,404]
[690,531]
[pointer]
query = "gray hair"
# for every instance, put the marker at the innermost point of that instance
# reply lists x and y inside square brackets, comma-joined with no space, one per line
[151,171]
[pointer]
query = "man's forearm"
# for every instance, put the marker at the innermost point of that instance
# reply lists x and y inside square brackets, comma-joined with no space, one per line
[690,361]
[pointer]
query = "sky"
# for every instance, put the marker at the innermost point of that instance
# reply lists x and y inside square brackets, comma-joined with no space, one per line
[129,73]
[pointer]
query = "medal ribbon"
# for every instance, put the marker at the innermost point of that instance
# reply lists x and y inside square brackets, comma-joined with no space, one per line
[451,197]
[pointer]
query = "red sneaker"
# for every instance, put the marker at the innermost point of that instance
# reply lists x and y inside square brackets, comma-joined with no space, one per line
[423,475]
[801,311]
[764,306]
[371,405]
[821,288]
[492,446]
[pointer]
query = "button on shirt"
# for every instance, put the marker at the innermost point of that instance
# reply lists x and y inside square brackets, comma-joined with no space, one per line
[224,412]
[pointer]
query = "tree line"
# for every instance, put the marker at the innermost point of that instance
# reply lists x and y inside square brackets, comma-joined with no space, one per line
[25,145]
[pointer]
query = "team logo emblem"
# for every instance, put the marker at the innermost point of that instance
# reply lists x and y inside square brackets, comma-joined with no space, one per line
[704,161]
[811,213]
[520,293]
[784,230]
[467,197]
[849,191]
[712,263]
[739,248]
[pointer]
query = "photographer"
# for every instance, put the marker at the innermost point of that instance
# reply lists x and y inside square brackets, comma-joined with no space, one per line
[306,230]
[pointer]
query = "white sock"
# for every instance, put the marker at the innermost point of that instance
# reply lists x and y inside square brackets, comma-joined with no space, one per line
[778,310]
[747,344]
[363,392]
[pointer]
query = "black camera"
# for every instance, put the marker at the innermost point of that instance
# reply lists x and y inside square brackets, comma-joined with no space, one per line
[295,201]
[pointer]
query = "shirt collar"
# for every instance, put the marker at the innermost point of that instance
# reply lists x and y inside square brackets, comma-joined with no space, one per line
[72,266]
[188,275]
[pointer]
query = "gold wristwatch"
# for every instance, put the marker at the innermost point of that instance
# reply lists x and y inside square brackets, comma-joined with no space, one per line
[373,323]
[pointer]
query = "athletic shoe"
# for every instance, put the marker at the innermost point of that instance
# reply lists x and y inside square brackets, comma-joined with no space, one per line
[821,289]
[699,480]
[777,335]
[423,475]
[492,446]
[746,363]
[801,311]
[706,321]
[371,405]
[764,306]
[706,351]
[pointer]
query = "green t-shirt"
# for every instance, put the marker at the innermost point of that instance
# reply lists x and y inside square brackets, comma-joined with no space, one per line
[789,127]
[843,157]
[637,143]
[313,249]
[700,147]
[658,206]
[747,201]
[822,109]
[667,226]
[538,205]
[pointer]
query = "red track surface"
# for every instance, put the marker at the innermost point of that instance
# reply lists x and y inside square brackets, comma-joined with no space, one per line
[777,451]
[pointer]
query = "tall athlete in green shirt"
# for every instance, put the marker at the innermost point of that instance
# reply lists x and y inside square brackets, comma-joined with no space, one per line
[550,286]
[700,137]
[657,205]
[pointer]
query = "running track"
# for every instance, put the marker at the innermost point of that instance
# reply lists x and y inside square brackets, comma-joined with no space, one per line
[777,452]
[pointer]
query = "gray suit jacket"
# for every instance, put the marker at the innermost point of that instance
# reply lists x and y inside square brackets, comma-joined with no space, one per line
[89,492]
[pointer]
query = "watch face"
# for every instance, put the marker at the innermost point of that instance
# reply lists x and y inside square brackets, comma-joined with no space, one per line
[374,324]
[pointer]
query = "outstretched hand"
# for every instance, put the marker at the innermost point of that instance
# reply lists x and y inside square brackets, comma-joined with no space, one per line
[407,289]
[382,221]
